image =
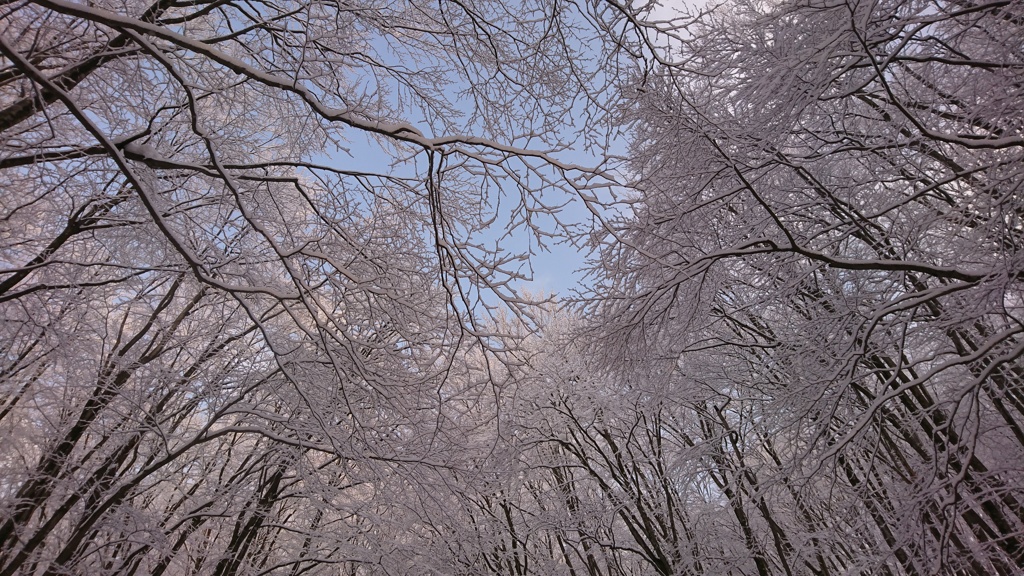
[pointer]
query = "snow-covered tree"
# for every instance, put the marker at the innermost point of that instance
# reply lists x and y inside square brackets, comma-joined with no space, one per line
[825,254]
[244,252]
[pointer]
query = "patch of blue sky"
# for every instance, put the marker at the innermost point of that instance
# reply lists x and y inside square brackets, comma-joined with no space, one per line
[534,209]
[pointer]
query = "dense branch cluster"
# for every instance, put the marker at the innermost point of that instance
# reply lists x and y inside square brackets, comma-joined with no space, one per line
[832,277]
[259,311]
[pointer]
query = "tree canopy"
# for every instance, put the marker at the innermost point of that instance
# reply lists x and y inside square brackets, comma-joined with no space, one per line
[262,310]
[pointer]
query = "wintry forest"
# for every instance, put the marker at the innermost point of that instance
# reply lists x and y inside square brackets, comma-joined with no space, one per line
[263,311]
